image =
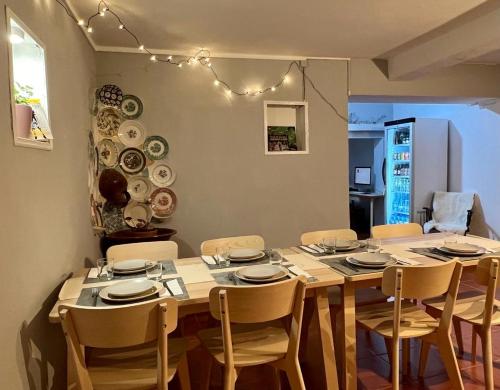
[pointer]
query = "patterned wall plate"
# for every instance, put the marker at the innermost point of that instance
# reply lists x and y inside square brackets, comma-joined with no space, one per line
[161,175]
[108,153]
[138,188]
[137,214]
[156,147]
[132,133]
[108,121]
[111,95]
[163,202]
[132,161]
[131,107]
[95,161]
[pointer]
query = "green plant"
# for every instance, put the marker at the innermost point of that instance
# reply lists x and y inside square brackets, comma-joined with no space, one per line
[22,93]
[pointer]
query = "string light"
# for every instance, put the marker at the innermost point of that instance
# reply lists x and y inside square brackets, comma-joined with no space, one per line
[90,29]
[273,89]
[169,58]
[121,26]
[153,58]
[81,22]
[179,65]
[141,48]
[216,82]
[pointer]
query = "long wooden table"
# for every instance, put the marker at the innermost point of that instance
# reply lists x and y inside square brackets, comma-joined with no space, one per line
[199,281]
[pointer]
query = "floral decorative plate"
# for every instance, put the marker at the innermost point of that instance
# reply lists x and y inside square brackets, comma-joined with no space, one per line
[163,202]
[108,152]
[156,147]
[131,107]
[132,160]
[111,95]
[132,133]
[138,188]
[95,161]
[137,214]
[108,121]
[161,174]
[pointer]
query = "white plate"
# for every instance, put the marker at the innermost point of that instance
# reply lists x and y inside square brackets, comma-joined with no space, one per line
[138,188]
[480,251]
[284,273]
[353,261]
[347,245]
[130,288]
[372,258]
[130,265]
[461,248]
[134,213]
[259,272]
[104,294]
[245,253]
[161,174]
[132,133]
[108,153]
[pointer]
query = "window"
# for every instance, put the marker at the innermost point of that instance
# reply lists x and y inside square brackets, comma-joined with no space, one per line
[28,86]
[285,128]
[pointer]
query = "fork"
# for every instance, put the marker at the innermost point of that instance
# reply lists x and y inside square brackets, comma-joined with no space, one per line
[95,294]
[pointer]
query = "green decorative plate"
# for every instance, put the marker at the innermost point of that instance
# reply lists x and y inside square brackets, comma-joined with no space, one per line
[155,147]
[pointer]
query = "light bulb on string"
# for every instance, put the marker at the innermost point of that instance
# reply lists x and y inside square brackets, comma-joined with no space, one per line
[180,65]
[286,79]
[273,89]
[216,82]
[90,29]
[141,48]
[153,58]
[228,92]
[81,22]
[121,26]
[169,58]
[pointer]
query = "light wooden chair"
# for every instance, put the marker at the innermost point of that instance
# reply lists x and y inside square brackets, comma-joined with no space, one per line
[248,337]
[404,320]
[482,311]
[128,346]
[315,237]
[397,230]
[209,247]
[153,250]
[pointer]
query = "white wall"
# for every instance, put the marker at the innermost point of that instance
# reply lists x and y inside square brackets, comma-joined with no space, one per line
[474,156]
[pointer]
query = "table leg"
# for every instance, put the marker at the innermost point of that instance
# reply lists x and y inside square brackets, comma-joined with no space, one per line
[349,328]
[326,336]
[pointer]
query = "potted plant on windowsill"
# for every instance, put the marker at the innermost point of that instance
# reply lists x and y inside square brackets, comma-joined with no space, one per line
[24,112]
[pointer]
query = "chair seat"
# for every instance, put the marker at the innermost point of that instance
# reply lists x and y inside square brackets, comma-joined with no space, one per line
[131,368]
[252,344]
[364,296]
[469,307]
[415,322]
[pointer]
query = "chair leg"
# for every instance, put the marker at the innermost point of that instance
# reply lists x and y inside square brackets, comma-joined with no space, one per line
[388,347]
[206,373]
[277,378]
[395,364]
[230,376]
[458,333]
[294,375]
[474,344]
[183,372]
[424,355]
[447,351]
[406,356]
[487,358]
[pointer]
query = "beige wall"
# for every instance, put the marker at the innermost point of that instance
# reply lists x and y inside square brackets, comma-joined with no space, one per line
[45,230]
[225,183]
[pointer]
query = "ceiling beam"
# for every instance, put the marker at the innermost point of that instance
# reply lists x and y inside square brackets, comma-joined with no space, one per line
[456,44]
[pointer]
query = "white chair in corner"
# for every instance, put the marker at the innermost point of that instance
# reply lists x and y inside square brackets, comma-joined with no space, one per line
[450,212]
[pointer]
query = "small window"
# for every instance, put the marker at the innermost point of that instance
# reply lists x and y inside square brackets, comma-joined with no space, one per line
[28,86]
[286,128]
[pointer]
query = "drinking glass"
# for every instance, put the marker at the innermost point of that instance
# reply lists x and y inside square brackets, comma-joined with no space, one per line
[450,241]
[373,245]
[104,268]
[275,256]
[329,245]
[154,270]
[222,254]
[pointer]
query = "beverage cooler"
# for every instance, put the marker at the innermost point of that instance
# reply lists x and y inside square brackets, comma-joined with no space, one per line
[416,166]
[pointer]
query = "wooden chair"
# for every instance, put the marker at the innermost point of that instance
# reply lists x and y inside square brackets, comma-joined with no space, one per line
[398,230]
[128,346]
[482,311]
[404,320]
[315,237]
[209,247]
[153,250]
[248,337]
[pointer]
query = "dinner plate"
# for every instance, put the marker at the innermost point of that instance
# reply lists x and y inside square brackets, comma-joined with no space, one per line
[161,174]
[260,272]
[138,188]
[132,133]
[461,248]
[104,294]
[163,202]
[130,288]
[111,95]
[108,153]
[131,107]
[137,214]
[244,253]
[130,265]
[479,251]
[108,121]
[156,147]
[132,161]
[353,261]
[283,274]
[346,245]
[379,259]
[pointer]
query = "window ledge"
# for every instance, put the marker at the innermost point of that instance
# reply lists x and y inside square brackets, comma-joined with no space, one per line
[30,143]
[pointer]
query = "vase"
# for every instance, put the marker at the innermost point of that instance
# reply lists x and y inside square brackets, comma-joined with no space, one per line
[24,115]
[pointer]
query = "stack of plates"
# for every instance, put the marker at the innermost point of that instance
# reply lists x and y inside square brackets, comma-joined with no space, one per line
[133,266]
[245,254]
[346,245]
[131,290]
[371,260]
[458,249]
[262,273]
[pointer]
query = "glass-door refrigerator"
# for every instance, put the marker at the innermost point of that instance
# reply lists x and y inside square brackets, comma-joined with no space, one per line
[416,166]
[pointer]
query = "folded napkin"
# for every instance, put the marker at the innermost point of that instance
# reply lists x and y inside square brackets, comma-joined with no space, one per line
[296,270]
[93,273]
[175,287]
[405,261]
[209,260]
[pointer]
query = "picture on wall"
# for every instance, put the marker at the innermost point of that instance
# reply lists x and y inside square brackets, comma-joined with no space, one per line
[281,138]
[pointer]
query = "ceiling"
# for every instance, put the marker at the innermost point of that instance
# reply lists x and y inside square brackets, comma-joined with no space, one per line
[314,28]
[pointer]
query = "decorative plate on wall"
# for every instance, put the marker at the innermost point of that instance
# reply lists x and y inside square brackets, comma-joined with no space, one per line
[156,147]
[108,153]
[138,188]
[108,122]
[131,107]
[163,202]
[161,175]
[137,214]
[132,133]
[111,95]
[95,161]
[132,160]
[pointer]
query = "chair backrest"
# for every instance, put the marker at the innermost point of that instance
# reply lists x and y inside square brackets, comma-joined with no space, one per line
[153,250]
[452,207]
[397,230]
[315,237]
[118,327]
[487,274]
[209,247]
